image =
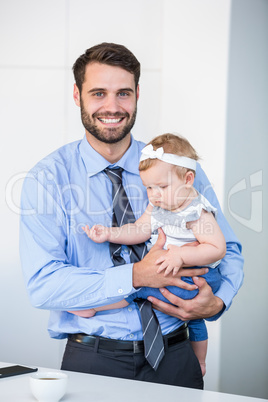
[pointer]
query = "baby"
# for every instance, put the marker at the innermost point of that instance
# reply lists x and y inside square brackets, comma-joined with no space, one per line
[167,169]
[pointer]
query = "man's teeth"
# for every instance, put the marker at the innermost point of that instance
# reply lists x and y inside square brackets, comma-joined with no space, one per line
[110,121]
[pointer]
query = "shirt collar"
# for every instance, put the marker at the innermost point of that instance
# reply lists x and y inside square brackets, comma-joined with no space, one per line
[96,163]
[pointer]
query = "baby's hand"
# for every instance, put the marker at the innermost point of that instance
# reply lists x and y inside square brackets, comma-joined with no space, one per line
[98,233]
[171,261]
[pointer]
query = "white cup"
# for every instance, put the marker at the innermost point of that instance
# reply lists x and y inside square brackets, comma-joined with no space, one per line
[48,386]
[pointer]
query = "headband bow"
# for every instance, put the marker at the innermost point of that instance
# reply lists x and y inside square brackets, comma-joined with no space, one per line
[148,152]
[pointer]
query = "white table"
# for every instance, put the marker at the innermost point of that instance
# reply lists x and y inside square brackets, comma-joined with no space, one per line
[95,388]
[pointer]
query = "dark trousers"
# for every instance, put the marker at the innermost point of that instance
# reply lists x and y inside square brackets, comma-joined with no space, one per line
[179,366]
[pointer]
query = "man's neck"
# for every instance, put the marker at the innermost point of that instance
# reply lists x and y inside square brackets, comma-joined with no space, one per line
[111,152]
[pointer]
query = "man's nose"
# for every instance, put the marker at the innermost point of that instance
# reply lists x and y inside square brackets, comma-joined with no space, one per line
[111,104]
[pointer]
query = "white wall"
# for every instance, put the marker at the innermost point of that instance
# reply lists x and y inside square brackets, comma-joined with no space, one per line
[39,43]
[244,330]
[183,48]
[193,100]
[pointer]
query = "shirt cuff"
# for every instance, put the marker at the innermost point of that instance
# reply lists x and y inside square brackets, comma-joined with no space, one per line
[226,295]
[218,315]
[226,304]
[118,281]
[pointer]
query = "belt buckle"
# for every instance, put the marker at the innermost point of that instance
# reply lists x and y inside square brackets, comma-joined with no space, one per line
[136,348]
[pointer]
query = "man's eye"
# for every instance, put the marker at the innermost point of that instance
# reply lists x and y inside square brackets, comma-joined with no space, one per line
[163,187]
[123,94]
[98,94]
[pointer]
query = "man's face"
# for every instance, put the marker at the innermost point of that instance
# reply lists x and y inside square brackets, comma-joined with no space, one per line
[108,102]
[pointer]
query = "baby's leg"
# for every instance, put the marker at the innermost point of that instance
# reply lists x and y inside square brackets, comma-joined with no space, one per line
[198,335]
[84,313]
[200,350]
[213,278]
[145,292]
[88,313]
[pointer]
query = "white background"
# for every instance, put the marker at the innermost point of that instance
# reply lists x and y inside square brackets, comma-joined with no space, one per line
[190,57]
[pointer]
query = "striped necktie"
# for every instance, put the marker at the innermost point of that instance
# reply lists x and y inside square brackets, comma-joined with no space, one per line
[123,214]
[152,335]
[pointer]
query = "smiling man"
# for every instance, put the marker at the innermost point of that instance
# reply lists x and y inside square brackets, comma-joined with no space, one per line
[65,271]
[108,111]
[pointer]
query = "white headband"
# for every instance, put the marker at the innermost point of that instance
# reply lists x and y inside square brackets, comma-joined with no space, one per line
[183,161]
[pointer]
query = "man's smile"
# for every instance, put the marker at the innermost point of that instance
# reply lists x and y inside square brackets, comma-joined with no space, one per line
[110,121]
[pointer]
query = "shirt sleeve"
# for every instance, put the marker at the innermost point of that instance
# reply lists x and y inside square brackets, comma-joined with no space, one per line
[231,266]
[52,282]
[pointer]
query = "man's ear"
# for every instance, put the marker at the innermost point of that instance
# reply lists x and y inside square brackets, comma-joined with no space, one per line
[138,91]
[76,95]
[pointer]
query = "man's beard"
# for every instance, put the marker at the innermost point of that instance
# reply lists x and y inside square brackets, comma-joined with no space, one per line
[108,135]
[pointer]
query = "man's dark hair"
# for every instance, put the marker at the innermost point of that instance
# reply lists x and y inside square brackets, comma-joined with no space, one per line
[106,53]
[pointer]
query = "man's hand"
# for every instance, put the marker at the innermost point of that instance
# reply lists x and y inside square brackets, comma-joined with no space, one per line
[145,271]
[204,305]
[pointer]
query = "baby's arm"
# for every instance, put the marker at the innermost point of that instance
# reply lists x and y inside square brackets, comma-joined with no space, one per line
[211,247]
[92,311]
[132,233]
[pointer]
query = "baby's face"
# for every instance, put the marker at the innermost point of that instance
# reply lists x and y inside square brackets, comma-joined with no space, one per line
[164,187]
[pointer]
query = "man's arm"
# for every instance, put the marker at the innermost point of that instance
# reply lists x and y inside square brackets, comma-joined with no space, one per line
[52,280]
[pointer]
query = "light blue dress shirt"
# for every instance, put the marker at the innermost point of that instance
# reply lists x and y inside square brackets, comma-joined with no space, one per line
[64,270]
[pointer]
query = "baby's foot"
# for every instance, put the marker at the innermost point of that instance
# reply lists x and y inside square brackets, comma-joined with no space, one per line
[203,368]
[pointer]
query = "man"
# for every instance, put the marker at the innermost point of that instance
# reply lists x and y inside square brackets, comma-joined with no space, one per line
[65,271]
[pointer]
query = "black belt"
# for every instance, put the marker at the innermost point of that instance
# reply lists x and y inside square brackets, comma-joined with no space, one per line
[179,335]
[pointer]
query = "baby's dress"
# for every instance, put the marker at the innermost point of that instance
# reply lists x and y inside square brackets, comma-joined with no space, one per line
[174,227]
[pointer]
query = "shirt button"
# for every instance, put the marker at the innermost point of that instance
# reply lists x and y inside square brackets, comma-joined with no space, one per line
[131,336]
[130,309]
[120,291]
